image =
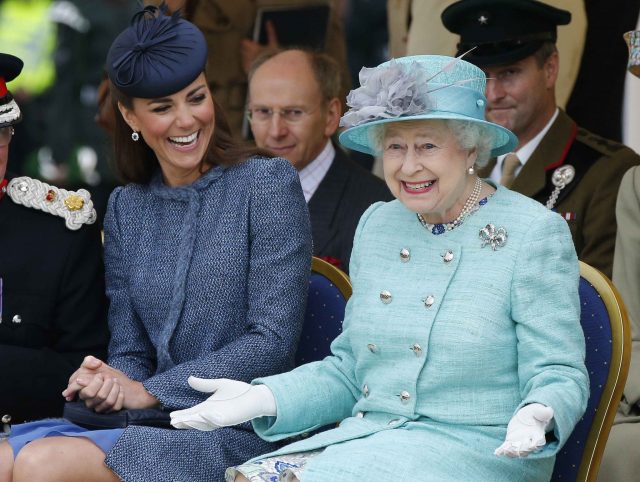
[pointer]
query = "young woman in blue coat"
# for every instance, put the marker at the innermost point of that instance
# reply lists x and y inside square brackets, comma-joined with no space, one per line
[207,254]
[462,356]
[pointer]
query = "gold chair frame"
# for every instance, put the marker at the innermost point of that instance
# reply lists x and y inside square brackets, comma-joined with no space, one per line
[333,274]
[618,370]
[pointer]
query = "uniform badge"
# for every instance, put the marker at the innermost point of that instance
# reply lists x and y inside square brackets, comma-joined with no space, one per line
[75,207]
[569,216]
[560,178]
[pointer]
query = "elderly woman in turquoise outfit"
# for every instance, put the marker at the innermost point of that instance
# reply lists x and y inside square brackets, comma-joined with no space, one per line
[207,255]
[462,356]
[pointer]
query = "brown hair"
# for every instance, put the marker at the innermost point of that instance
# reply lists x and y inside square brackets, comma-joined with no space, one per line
[325,70]
[544,52]
[136,161]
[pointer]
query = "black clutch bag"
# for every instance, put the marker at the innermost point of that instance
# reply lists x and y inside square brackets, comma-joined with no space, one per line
[80,414]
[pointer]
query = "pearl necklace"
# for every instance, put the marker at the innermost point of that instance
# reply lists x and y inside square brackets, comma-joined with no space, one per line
[469,206]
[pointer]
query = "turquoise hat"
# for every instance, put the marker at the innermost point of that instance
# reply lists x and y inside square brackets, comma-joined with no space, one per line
[419,87]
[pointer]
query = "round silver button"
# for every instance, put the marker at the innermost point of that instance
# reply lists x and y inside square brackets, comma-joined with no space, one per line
[405,255]
[385,297]
[6,418]
[417,349]
[17,319]
[405,396]
[429,301]
[360,414]
[373,348]
[448,256]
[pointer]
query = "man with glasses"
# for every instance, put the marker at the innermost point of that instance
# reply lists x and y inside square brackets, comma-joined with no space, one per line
[294,110]
[52,300]
[565,167]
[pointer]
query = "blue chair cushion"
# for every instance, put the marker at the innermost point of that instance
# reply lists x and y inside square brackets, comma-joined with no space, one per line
[322,321]
[596,326]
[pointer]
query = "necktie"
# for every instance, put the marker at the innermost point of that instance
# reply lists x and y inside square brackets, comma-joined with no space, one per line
[509,166]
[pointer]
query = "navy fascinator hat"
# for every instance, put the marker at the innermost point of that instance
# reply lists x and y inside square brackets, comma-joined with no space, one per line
[157,55]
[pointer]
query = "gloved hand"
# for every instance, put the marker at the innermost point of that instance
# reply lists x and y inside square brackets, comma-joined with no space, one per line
[232,402]
[526,431]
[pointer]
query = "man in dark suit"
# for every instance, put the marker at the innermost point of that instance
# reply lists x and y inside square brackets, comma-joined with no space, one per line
[294,110]
[567,168]
[52,300]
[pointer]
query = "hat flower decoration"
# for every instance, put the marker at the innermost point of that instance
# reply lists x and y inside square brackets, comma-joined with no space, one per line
[421,87]
[386,93]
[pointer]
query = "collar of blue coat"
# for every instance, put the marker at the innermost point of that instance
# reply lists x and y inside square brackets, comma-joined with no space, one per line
[184,193]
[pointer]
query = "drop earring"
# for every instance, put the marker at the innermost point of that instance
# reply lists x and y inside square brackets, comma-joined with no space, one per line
[135,136]
[471,171]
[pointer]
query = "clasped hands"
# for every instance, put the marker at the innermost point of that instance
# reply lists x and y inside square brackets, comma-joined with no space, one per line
[232,402]
[106,389]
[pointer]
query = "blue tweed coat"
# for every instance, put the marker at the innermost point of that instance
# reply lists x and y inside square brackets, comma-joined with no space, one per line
[207,280]
[425,385]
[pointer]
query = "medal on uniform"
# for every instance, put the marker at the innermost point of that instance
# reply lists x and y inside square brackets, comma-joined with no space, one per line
[562,176]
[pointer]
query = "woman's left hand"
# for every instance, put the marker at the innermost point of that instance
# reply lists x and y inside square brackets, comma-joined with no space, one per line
[526,431]
[135,395]
[232,402]
[103,395]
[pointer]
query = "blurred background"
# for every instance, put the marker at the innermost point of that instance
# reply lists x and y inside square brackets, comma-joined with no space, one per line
[64,43]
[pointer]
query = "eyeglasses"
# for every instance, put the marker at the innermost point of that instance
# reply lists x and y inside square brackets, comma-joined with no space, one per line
[5,134]
[290,116]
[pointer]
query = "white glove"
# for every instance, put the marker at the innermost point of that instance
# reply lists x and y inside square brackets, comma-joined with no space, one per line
[526,431]
[232,402]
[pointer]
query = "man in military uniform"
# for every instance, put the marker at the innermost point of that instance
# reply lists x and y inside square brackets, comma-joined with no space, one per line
[567,168]
[52,300]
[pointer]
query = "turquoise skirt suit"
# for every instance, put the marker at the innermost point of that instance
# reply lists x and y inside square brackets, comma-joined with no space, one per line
[440,347]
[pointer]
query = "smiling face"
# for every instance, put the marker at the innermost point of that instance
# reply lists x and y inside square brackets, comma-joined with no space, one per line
[286,83]
[178,128]
[521,96]
[426,169]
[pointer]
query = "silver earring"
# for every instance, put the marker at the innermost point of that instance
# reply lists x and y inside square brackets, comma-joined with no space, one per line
[135,136]
[471,171]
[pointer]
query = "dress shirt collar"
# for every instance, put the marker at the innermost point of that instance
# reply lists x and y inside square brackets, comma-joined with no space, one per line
[313,173]
[525,152]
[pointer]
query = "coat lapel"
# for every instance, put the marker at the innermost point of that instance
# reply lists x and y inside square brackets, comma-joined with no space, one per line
[549,154]
[324,203]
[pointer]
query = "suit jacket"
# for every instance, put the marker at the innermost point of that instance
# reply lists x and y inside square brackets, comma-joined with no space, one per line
[344,193]
[588,202]
[53,308]
[210,280]
[432,376]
